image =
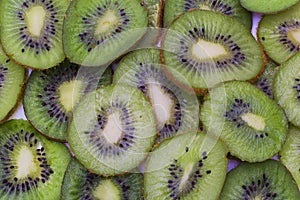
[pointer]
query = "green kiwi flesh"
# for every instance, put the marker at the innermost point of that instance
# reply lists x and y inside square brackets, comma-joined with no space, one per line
[267,7]
[31,31]
[188,166]
[252,125]
[112,130]
[268,180]
[31,166]
[79,184]
[280,34]
[206,48]
[105,29]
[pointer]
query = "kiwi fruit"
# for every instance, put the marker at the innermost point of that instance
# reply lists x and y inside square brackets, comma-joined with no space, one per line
[31,31]
[252,125]
[112,130]
[207,48]
[268,180]
[79,184]
[155,12]
[231,8]
[176,111]
[31,166]
[105,29]
[280,34]
[51,95]
[188,166]
[267,7]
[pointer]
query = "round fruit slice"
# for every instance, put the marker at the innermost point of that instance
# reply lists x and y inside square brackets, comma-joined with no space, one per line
[51,95]
[176,111]
[31,31]
[80,184]
[31,166]
[266,6]
[280,34]
[208,48]
[112,130]
[189,166]
[104,30]
[252,125]
[287,89]
[267,180]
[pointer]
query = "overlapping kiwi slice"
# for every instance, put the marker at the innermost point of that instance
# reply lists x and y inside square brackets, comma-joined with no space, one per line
[280,34]
[268,180]
[189,166]
[267,7]
[176,111]
[31,166]
[31,31]
[104,30]
[51,95]
[231,8]
[112,130]
[79,184]
[252,125]
[208,48]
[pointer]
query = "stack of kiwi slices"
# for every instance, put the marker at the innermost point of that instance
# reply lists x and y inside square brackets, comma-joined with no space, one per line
[149,99]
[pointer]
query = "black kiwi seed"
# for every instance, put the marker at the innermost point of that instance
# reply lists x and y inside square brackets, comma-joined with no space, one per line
[297,87]
[283,29]
[216,5]
[3,71]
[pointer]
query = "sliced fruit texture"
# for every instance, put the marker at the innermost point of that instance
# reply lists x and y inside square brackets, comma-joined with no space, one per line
[267,7]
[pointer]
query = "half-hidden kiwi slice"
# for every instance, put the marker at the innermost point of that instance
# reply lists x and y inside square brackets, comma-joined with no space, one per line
[208,48]
[252,125]
[31,166]
[155,12]
[51,95]
[104,30]
[287,88]
[112,130]
[266,6]
[31,31]
[79,184]
[280,34]
[188,166]
[268,180]
[231,8]
[12,78]
[176,111]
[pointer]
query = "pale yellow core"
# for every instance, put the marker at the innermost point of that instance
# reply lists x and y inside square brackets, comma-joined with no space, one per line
[207,50]
[69,93]
[35,18]
[186,174]
[257,198]
[161,102]
[107,190]
[204,7]
[113,129]
[294,35]
[25,163]
[106,22]
[254,121]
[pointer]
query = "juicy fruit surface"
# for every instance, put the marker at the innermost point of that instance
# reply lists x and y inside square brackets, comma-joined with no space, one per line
[111,131]
[267,180]
[251,124]
[31,167]
[104,30]
[265,6]
[214,48]
[189,166]
[31,31]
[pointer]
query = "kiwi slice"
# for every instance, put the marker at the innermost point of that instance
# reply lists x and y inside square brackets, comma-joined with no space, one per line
[155,12]
[176,111]
[189,166]
[268,180]
[252,125]
[104,30]
[231,8]
[287,88]
[112,130]
[208,48]
[31,166]
[31,31]
[267,7]
[79,184]
[51,95]
[289,154]
[280,34]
